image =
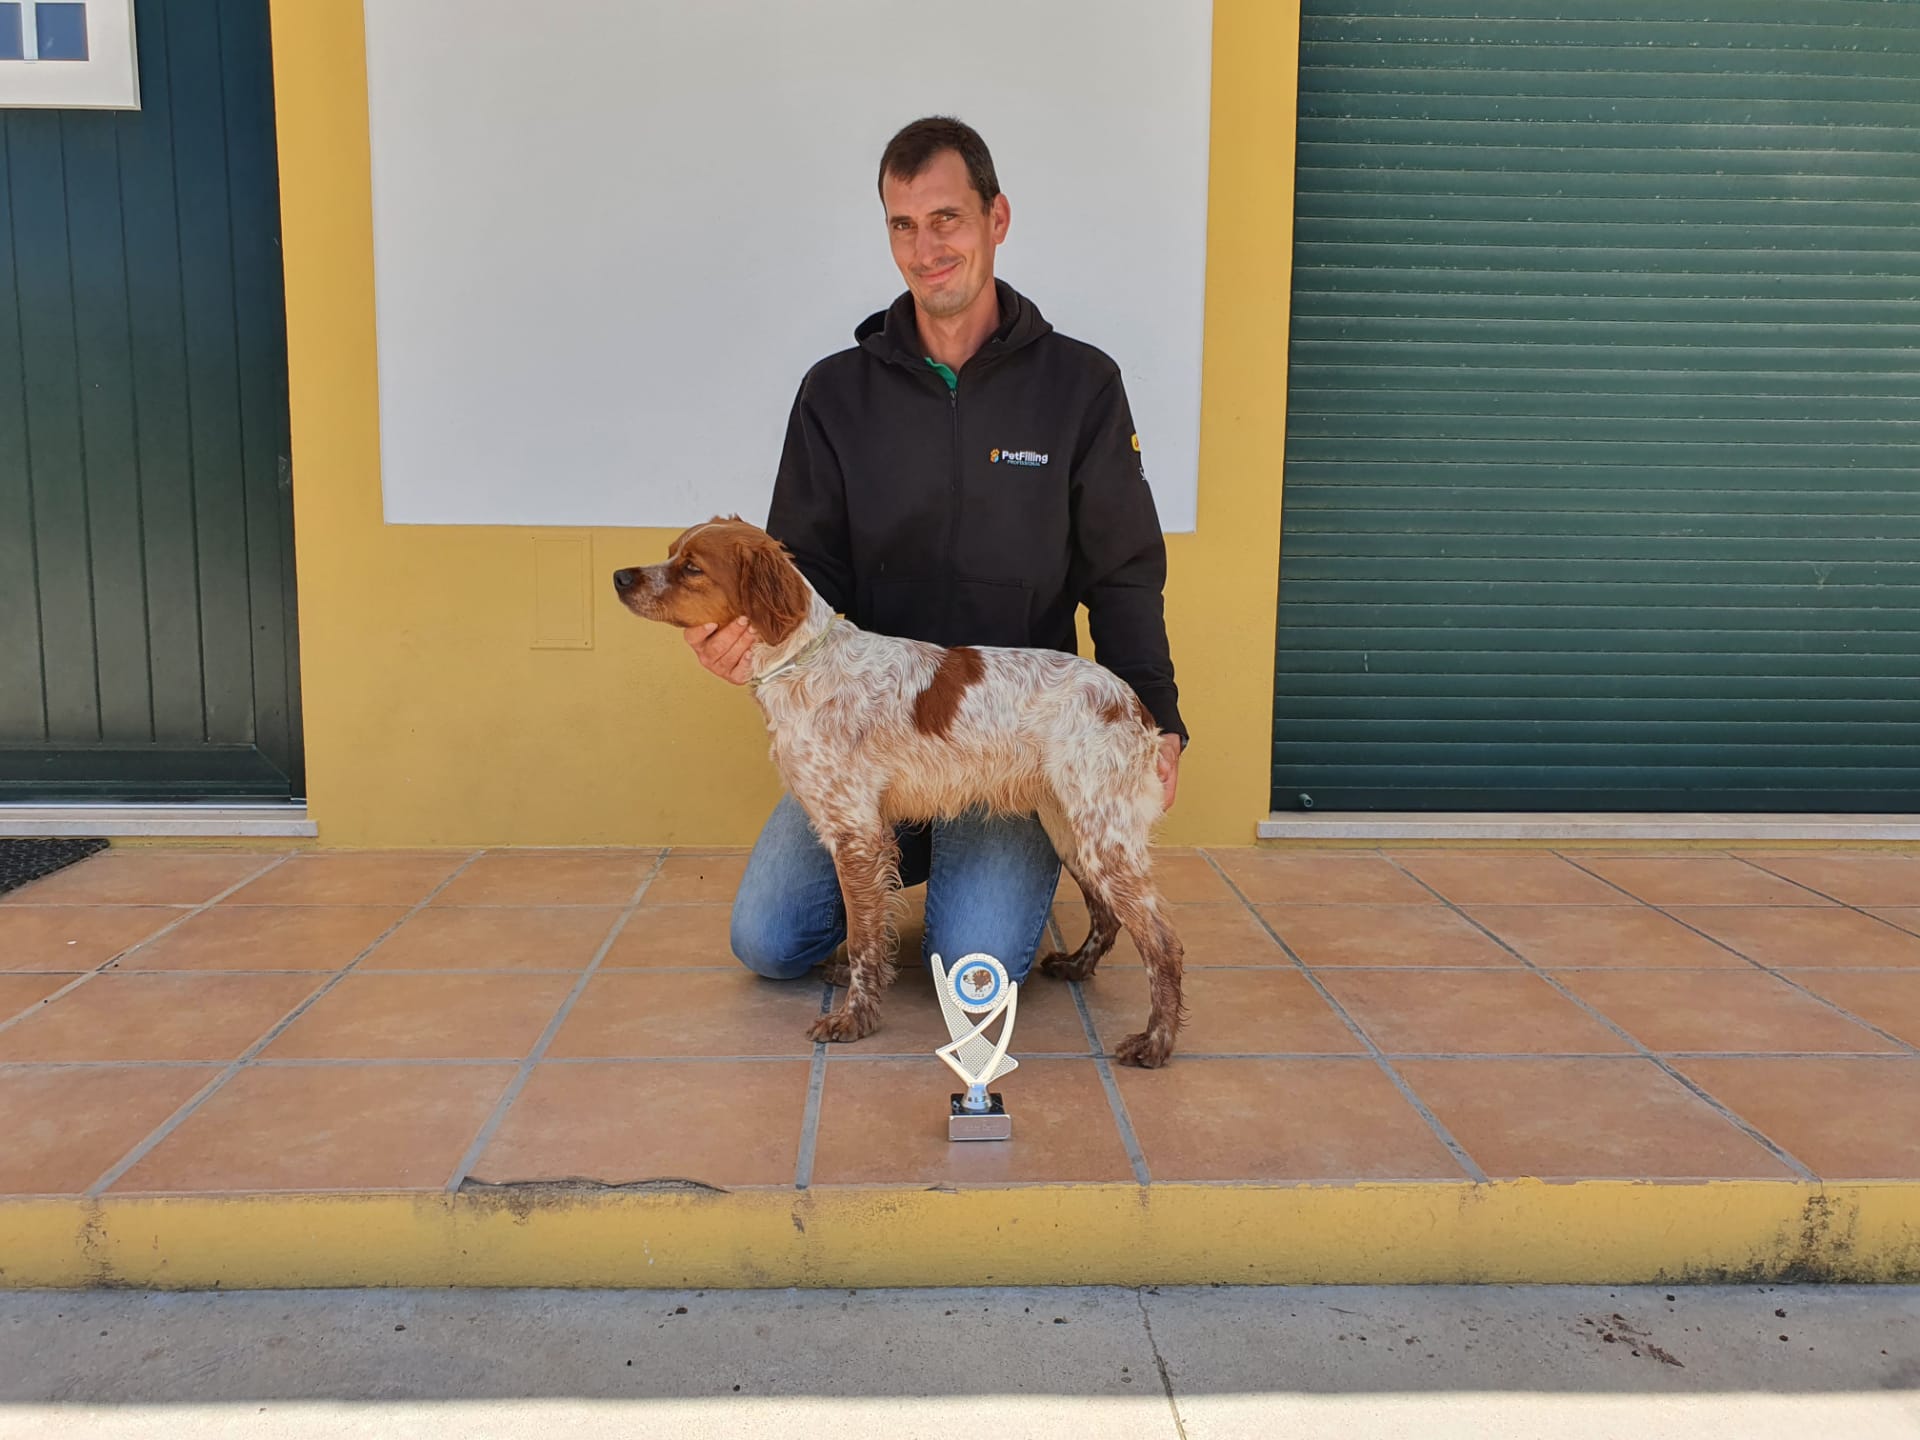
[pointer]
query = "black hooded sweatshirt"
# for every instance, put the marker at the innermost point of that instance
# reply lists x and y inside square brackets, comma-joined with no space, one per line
[984,513]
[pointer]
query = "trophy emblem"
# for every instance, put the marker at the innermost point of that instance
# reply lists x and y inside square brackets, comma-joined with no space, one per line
[974,992]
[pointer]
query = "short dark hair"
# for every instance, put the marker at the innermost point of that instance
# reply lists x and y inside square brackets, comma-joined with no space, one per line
[915,146]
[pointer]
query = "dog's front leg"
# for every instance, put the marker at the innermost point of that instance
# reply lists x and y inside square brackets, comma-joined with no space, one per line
[868,865]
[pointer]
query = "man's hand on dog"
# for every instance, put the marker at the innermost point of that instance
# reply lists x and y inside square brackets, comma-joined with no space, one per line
[1169,765]
[726,650]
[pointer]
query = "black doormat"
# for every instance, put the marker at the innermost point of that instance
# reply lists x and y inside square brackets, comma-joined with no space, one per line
[24,860]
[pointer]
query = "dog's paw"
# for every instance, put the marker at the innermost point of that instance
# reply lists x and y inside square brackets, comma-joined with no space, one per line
[1149,1050]
[842,1025]
[1061,966]
[837,972]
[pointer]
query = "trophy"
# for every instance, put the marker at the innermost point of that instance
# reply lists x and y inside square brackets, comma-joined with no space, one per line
[974,992]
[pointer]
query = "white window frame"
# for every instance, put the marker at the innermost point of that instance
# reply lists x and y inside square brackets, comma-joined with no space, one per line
[108,79]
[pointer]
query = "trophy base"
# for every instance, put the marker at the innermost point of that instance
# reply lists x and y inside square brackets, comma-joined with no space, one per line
[993,1123]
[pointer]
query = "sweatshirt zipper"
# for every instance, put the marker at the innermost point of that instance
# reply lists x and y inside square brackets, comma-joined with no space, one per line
[953,510]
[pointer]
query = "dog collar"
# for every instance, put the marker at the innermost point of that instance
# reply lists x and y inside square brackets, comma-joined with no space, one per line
[805,652]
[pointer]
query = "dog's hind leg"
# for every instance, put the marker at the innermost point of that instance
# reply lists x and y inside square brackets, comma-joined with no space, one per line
[1126,883]
[867,861]
[1102,924]
[1103,927]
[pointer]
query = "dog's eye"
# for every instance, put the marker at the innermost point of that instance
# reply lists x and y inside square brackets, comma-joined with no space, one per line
[690,569]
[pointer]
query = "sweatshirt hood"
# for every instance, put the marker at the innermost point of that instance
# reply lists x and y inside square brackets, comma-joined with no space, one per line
[893,334]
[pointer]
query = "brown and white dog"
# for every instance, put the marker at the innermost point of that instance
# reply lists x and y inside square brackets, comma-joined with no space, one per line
[869,730]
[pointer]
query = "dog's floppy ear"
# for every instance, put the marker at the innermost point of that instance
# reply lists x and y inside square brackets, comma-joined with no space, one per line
[772,592]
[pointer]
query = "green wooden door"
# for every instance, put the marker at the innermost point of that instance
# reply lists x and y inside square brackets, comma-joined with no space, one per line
[147,635]
[1603,457]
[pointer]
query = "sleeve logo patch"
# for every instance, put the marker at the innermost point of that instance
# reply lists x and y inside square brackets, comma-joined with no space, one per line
[1136,442]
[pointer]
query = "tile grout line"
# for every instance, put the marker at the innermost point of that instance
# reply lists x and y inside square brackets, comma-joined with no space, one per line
[1116,1103]
[1671,1072]
[233,1067]
[501,1106]
[1903,929]
[1378,1056]
[141,944]
[1774,971]
[810,1112]
[1832,899]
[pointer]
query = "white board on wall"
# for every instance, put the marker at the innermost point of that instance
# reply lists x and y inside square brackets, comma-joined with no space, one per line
[610,236]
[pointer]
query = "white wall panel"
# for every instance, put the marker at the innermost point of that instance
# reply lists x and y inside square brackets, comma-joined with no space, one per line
[611,235]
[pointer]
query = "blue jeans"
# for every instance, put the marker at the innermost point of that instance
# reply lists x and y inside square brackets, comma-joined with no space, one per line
[990,884]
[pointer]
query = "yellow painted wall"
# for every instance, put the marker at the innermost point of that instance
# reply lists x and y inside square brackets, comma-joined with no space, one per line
[432,719]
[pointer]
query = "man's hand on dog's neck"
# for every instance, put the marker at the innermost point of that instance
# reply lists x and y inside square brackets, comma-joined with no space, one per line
[726,650]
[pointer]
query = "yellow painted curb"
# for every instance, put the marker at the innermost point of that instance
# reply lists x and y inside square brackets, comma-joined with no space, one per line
[1514,1232]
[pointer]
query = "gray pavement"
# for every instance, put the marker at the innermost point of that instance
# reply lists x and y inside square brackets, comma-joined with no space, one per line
[1204,1364]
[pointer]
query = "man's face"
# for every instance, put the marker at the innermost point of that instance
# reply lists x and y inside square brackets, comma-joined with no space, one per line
[943,236]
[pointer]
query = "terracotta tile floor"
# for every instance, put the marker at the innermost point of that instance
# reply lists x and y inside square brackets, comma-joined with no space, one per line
[205,1021]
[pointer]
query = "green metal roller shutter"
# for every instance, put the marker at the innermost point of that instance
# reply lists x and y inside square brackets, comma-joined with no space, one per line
[1603,456]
